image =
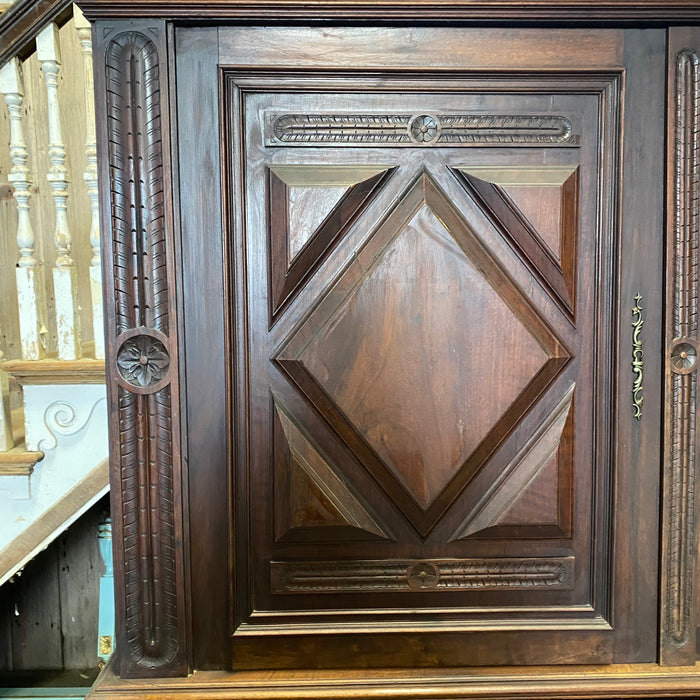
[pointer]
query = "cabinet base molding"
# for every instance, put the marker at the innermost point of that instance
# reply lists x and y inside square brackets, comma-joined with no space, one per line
[615,680]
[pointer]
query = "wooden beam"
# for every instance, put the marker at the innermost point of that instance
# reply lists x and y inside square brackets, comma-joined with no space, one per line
[541,682]
[663,12]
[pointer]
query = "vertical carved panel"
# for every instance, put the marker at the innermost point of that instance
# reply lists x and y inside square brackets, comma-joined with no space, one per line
[143,354]
[678,619]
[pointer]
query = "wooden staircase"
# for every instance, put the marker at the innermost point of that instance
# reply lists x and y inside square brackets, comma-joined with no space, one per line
[53,426]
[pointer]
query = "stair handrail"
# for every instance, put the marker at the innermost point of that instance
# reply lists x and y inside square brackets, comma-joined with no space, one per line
[20,24]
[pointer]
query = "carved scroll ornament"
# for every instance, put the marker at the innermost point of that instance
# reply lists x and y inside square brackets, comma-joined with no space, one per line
[637,357]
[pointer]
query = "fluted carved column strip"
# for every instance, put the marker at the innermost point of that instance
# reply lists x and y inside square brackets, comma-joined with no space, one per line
[678,619]
[138,245]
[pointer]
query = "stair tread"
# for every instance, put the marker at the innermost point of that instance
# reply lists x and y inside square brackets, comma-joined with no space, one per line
[85,370]
[19,461]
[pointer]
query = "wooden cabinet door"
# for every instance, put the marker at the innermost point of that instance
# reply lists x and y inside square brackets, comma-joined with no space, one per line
[425,258]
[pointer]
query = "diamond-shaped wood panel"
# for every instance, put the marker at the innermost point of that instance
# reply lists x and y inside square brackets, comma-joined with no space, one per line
[423,355]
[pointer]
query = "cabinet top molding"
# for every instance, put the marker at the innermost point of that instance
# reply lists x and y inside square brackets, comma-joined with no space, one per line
[480,11]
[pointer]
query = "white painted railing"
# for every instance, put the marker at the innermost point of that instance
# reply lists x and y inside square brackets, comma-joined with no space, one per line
[49,310]
[53,427]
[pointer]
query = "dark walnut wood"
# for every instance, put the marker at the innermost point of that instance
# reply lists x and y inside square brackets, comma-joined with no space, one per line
[142,338]
[679,589]
[426,408]
[482,11]
[494,683]
[371,348]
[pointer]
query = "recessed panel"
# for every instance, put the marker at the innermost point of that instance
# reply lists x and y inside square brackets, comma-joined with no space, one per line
[309,209]
[536,209]
[527,499]
[314,501]
[422,364]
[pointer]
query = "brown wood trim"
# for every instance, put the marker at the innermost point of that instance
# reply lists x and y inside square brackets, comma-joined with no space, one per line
[83,371]
[20,24]
[482,11]
[617,680]
[641,270]
[18,461]
[679,523]
[203,353]
[471,50]
[133,117]
[54,521]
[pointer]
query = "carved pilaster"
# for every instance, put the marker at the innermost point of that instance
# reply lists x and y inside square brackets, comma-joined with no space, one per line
[678,619]
[132,96]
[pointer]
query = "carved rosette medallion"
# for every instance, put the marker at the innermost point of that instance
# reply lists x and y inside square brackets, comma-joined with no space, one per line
[678,622]
[143,361]
[423,575]
[143,389]
[684,355]
[424,129]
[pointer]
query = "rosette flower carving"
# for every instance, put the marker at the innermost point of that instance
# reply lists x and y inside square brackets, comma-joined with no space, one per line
[683,358]
[143,361]
[424,128]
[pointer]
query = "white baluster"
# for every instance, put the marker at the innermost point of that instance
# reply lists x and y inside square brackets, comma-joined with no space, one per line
[85,34]
[28,286]
[64,281]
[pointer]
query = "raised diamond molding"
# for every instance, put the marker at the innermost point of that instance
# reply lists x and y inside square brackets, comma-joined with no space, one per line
[443,280]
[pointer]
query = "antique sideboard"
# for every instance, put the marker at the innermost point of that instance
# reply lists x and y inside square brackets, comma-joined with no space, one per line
[402,318]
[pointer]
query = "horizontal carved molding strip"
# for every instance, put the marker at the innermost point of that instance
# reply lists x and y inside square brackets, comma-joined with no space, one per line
[422,575]
[420,129]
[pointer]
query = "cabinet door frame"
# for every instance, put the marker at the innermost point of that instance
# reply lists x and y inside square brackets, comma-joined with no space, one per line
[581,629]
[196,197]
